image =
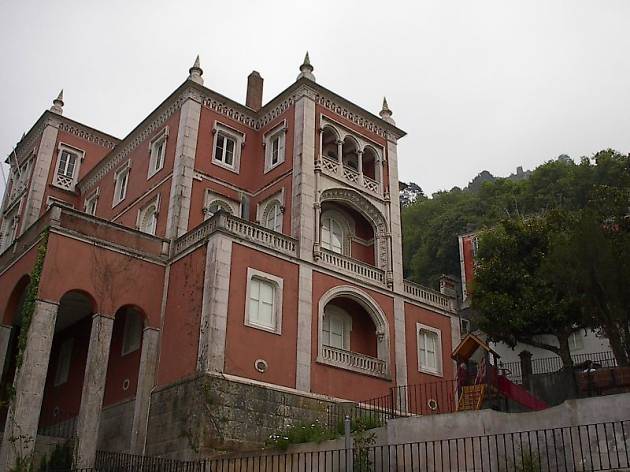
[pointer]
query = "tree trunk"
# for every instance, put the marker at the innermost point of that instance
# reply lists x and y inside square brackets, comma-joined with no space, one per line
[565,352]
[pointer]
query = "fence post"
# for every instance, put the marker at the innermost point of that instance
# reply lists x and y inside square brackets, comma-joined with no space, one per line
[348,441]
[392,402]
[526,367]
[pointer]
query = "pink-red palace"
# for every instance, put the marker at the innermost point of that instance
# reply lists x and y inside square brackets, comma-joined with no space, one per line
[257,242]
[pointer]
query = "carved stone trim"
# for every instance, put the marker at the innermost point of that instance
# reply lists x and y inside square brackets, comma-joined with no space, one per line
[366,208]
[130,143]
[87,135]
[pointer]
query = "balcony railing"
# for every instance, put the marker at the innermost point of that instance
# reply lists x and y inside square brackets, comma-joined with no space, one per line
[353,361]
[353,266]
[240,228]
[426,295]
[332,167]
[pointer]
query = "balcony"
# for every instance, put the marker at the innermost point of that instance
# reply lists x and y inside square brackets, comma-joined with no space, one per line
[240,228]
[352,266]
[353,361]
[428,296]
[349,175]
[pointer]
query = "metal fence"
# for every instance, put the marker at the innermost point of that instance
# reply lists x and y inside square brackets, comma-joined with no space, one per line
[546,365]
[592,447]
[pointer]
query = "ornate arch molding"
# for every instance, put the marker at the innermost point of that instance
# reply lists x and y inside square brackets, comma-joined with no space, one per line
[376,313]
[355,200]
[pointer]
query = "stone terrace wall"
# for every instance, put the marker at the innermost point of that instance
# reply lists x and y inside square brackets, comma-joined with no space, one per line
[205,415]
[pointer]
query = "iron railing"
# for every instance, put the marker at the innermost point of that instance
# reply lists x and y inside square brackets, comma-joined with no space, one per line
[588,447]
[547,365]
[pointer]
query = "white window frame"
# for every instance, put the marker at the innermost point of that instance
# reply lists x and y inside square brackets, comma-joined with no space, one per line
[131,345]
[275,206]
[161,137]
[80,155]
[328,244]
[142,214]
[126,169]
[220,129]
[88,201]
[279,132]
[346,320]
[438,371]
[64,360]
[278,283]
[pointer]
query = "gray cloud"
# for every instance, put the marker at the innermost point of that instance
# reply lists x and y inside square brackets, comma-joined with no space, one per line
[477,85]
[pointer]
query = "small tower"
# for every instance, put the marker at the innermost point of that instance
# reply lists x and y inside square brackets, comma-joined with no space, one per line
[386,113]
[195,72]
[58,104]
[306,69]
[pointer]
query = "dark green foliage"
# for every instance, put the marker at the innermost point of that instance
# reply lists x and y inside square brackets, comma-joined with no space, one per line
[431,225]
[28,307]
[60,458]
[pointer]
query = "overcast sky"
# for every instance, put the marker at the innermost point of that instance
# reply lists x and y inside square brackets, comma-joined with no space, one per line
[476,84]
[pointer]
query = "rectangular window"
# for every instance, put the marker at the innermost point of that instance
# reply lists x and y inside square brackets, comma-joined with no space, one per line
[336,330]
[157,153]
[429,349]
[120,187]
[68,162]
[224,151]
[132,335]
[261,295]
[63,362]
[90,204]
[275,147]
[9,229]
[263,308]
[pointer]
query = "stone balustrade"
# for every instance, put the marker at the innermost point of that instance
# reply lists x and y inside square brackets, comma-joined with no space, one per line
[426,295]
[354,361]
[353,266]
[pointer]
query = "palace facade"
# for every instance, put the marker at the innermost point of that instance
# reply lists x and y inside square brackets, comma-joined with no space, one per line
[257,242]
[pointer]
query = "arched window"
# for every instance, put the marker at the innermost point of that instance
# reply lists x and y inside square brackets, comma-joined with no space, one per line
[148,221]
[337,325]
[214,206]
[332,234]
[272,217]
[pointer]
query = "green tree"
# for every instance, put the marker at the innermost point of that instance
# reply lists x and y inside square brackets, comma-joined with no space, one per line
[519,294]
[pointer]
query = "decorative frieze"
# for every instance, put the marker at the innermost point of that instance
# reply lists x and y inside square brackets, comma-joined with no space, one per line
[88,135]
[130,143]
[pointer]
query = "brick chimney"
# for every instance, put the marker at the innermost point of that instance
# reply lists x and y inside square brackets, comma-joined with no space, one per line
[254,91]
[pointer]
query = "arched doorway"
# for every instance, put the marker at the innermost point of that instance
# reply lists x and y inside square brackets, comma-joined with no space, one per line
[66,367]
[12,326]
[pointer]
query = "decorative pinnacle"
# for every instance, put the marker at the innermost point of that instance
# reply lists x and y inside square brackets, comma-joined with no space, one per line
[58,104]
[306,69]
[386,113]
[195,72]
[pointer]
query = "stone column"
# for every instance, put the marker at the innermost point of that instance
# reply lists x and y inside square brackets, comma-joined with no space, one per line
[146,382]
[340,156]
[182,180]
[360,166]
[394,217]
[400,352]
[304,330]
[5,337]
[303,191]
[20,430]
[89,418]
[214,308]
[41,170]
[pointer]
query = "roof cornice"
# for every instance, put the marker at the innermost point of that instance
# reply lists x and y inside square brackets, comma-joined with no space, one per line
[239,113]
[25,146]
